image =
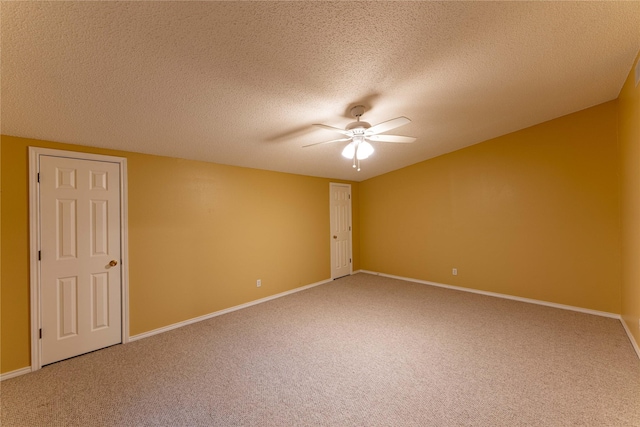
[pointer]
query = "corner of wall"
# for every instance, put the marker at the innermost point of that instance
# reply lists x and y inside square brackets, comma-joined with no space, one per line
[629,146]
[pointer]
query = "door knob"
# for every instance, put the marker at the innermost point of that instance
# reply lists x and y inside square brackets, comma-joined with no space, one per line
[113,263]
[335,237]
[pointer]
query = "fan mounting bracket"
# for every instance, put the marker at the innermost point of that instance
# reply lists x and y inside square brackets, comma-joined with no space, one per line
[357,111]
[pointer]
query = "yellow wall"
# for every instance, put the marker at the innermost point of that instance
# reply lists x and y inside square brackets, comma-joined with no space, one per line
[200,234]
[629,131]
[0,254]
[533,214]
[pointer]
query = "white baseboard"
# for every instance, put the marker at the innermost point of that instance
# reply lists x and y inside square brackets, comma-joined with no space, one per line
[225,311]
[498,295]
[15,373]
[634,343]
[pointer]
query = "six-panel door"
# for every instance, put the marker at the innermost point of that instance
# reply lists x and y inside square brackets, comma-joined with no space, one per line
[340,230]
[80,256]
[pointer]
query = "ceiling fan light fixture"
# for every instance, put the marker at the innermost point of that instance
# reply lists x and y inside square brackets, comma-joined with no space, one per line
[358,148]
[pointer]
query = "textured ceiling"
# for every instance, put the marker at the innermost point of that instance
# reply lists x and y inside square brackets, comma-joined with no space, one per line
[241,83]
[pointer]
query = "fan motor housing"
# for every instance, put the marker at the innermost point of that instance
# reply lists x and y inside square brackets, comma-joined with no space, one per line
[358,127]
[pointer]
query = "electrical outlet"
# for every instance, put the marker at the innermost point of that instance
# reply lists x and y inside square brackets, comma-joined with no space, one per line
[258,283]
[454,271]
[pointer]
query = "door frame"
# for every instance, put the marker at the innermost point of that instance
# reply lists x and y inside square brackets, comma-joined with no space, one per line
[34,242]
[331,186]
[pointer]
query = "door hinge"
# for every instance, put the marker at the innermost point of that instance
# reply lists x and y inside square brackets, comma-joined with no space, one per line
[39,256]
[40,333]
[38,176]
[349,196]
[349,260]
[349,228]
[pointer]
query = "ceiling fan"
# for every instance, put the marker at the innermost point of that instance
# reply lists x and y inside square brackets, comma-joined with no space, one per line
[360,134]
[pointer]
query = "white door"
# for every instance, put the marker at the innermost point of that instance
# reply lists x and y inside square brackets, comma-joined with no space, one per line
[340,205]
[80,281]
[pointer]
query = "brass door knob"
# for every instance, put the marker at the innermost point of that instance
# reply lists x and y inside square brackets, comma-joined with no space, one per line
[113,263]
[335,237]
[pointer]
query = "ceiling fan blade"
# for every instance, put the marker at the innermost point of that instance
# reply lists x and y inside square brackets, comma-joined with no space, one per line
[392,138]
[388,125]
[342,131]
[326,142]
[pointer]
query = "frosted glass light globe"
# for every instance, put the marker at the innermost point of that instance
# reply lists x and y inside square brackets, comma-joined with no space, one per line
[349,150]
[364,150]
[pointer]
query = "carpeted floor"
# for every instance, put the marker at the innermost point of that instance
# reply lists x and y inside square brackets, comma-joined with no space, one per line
[360,351]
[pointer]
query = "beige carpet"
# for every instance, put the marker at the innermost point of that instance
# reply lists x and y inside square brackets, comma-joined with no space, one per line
[361,351]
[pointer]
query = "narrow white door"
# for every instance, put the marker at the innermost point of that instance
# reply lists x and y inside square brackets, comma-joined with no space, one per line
[80,286]
[340,205]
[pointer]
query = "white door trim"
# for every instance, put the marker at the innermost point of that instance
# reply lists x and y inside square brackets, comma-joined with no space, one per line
[34,241]
[331,186]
